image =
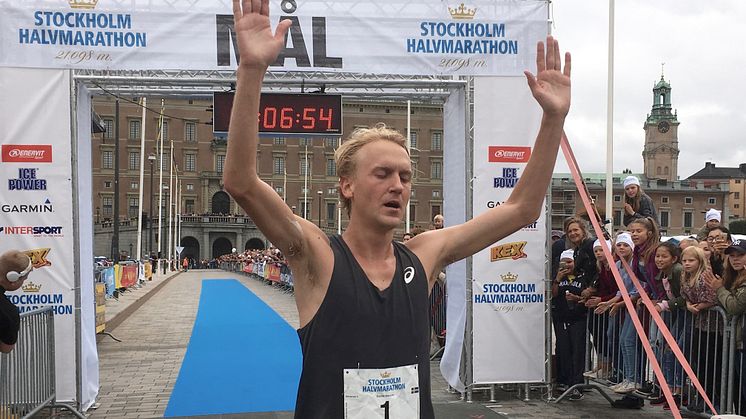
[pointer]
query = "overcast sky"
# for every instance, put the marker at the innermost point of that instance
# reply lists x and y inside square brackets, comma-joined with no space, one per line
[705,62]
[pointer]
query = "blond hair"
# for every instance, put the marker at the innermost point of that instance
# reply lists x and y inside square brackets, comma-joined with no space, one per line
[699,254]
[344,156]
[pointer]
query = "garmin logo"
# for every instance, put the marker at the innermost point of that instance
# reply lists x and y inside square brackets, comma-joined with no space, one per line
[27,209]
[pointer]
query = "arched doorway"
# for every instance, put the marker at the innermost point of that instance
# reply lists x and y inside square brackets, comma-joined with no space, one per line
[191,248]
[221,246]
[221,203]
[255,243]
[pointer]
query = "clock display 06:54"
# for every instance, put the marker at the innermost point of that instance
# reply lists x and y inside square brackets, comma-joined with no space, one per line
[313,119]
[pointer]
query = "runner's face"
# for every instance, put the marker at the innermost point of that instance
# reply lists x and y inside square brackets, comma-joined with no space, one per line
[381,184]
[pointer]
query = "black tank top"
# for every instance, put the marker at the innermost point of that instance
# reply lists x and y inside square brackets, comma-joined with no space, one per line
[359,326]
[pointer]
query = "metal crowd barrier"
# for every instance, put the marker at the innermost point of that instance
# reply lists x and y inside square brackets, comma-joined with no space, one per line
[438,319]
[707,340]
[259,270]
[27,374]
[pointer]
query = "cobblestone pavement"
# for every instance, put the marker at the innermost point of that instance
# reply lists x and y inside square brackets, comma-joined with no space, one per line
[137,375]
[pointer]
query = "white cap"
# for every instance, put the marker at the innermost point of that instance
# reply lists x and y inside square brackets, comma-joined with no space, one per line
[597,243]
[625,238]
[568,254]
[631,180]
[712,214]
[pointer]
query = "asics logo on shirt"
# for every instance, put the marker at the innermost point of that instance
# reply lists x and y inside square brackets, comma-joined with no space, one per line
[408,274]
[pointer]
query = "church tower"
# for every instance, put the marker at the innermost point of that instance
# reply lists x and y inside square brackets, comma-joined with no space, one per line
[661,153]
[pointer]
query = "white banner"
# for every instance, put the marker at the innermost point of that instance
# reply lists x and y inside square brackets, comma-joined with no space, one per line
[508,277]
[481,37]
[36,185]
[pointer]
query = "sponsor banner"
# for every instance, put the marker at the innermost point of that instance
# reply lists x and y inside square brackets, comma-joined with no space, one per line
[508,292]
[479,37]
[129,275]
[24,153]
[36,204]
[107,276]
[248,267]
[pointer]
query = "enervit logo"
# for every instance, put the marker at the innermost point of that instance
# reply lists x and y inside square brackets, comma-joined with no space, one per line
[509,154]
[26,153]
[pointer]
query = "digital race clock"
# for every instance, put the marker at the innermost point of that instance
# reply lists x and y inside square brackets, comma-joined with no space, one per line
[286,113]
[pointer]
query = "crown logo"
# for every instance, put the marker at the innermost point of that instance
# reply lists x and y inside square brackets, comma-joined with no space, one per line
[385,374]
[509,277]
[31,287]
[460,12]
[82,4]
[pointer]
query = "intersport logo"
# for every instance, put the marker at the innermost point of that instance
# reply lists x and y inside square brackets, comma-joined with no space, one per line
[27,153]
[509,154]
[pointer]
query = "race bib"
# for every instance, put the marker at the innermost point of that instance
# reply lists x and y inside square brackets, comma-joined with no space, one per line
[386,393]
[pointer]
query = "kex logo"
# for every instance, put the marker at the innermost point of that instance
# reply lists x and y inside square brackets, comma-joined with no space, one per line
[27,181]
[506,154]
[512,250]
[26,153]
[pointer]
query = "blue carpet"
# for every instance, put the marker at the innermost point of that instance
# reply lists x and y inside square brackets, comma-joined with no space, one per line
[242,357]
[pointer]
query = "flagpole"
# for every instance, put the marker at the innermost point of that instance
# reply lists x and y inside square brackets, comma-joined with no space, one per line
[170,204]
[610,124]
[144,104]
[305,185]
[160,185]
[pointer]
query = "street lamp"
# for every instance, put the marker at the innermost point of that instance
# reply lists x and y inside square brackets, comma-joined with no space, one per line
[319,193]
[151,159]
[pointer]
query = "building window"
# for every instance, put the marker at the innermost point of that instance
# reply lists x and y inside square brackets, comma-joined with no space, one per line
[664,218]
[413,139]
[107,205]
[617,217]
[304,210]
[436,194]
[219,163]
[305,167]
[664,200]
[134,129]
[108,128]
[107,184]
[278,141]
[711,201]
[436,170]
[736,206]
[279,166]
[134,162]
[411,195]
[437,141]
[190,186]
[190,162]
[331,167]
[279,190]
[164,130]
[189,206]
[304,141]
[569,196]
[415,172]
[617,198]
[331,191]
[134,185]
[434,210]
[107,160]
[165,163]
[330,142]
[688,200]
[736,195]
[687,219]
[412,213]
[190,131]
[331,214]
[738,181]
[133,206]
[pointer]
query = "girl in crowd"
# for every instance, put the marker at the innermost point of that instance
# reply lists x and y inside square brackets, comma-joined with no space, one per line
[624,247]
[636,203]
[604,288]
[718,240]
[706,346]
[644,232]
[667,257]
[731,293]
[569,318]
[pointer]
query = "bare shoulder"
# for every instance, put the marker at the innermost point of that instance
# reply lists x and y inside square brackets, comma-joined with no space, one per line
[429,247]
